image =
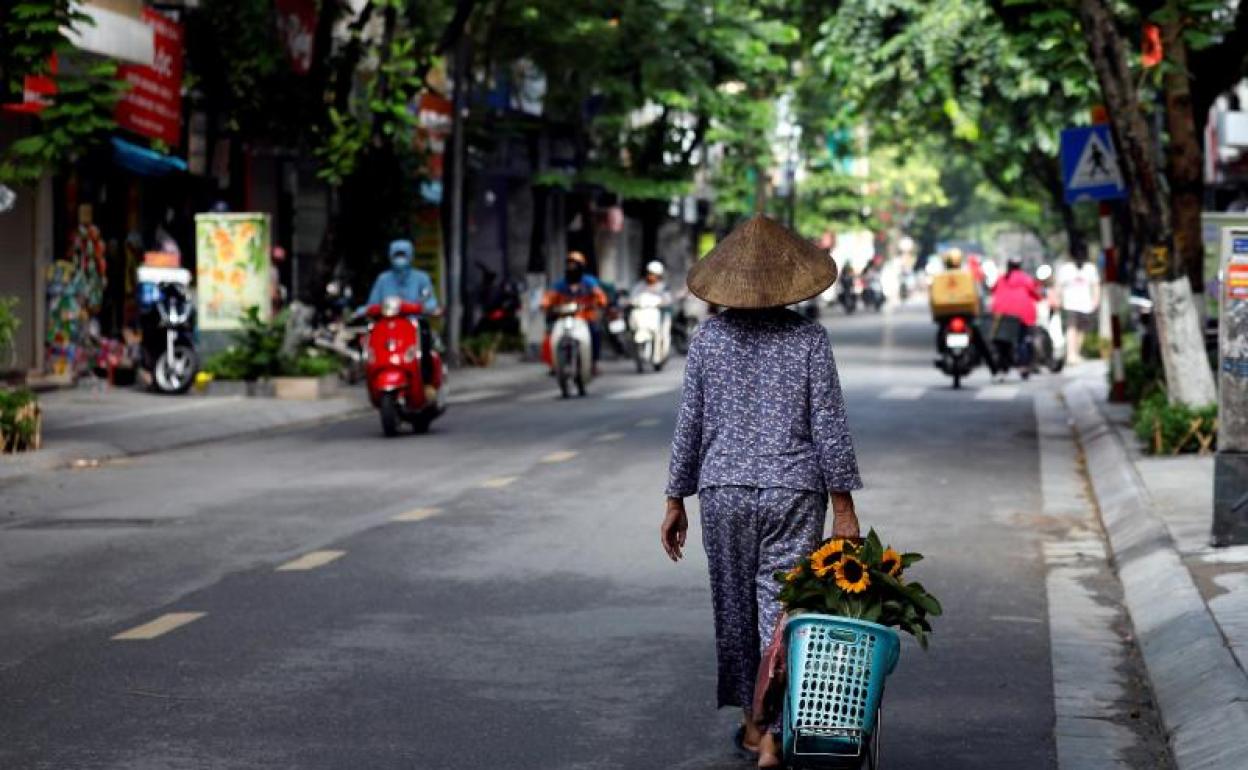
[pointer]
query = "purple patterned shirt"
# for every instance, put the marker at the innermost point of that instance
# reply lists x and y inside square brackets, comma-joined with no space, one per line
[761,407]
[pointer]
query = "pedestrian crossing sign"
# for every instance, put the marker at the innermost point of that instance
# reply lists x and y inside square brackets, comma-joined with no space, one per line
[1090,169]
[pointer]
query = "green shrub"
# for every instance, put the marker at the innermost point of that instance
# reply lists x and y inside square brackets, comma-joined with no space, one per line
[229,364]
[1167,428]
[480,349]
[8,327]
[1092,345]
[1142,379]
[310,363]
[19,421]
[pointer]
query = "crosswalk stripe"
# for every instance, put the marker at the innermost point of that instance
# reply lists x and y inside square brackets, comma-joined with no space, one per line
[419,514]
[903,393]
[310,560]
[498,482]
[609,437]
[558,457]
[480,395]
[649,422]
[998,393]
[159,627]
[543,395]
[647,391]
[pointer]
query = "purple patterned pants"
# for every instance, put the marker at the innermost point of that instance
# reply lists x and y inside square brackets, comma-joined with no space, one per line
[750,534]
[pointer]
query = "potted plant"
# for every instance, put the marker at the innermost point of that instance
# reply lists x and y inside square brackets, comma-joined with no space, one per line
[21,422]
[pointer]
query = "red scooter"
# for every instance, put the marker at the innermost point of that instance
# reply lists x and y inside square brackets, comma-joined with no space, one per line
[393,367]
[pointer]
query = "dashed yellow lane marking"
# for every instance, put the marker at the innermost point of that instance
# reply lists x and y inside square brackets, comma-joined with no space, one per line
[498,482]
[559,457]
[159,627]
[649,422]
[610,437]
[310,560]
[419,514]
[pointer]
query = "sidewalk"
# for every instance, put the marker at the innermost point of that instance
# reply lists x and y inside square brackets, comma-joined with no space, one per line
[1188,601]
[87,426]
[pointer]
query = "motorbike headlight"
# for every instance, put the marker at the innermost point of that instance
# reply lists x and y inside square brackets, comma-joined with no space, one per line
[390,306]
[411,354]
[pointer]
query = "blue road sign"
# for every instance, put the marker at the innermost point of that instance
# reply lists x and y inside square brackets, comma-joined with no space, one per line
[1090,165]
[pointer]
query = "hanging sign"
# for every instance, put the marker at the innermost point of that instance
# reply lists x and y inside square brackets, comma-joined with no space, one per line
[296,27]
[152,106]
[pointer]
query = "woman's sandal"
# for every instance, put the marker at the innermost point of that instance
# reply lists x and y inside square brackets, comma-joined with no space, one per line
[745,749]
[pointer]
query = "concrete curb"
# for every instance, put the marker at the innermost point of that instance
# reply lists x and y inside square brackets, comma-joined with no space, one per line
[1201,692]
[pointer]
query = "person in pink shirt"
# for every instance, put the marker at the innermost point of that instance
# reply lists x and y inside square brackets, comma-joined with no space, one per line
[1015,295]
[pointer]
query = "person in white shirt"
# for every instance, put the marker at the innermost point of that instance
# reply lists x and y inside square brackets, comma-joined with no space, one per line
[1079,288]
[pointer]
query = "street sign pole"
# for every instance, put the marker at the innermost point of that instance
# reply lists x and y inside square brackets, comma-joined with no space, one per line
[1118,388]
[1090,173]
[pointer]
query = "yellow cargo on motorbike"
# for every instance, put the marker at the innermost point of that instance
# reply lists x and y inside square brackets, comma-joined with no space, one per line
[954,293]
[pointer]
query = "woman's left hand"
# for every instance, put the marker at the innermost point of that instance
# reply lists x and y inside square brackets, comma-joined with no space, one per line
[674,528]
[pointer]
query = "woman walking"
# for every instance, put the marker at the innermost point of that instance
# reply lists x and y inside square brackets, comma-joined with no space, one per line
[762,439]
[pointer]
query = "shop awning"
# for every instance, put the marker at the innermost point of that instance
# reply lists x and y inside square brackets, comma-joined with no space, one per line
[144,162]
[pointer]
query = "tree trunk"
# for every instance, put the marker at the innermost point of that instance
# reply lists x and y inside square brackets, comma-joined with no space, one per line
[1183,156]
[1188,376]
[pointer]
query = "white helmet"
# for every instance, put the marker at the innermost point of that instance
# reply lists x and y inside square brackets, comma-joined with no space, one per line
[655,267]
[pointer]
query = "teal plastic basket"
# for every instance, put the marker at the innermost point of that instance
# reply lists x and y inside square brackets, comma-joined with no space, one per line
[837,668]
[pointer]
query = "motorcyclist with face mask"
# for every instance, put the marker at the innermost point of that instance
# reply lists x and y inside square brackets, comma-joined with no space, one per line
[412,285]
[580,286]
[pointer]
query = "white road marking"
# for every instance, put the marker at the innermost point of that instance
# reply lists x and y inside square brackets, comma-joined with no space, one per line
[649,422]
[1016,619]
[645,391]
[997,393]
[159,627]
[310,560]
[499,482]
[533,398]
[480,395]
[419,514]
[903,393]
[604,438]
[558,457]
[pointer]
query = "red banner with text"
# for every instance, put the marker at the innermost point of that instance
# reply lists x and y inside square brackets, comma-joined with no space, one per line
[152,106]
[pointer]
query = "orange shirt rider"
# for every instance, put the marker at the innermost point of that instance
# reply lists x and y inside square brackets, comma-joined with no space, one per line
[578,286]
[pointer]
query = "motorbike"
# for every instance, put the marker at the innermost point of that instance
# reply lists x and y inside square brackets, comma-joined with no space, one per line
[1006,335]
[847,295]
[652,337]
[573,349]
[873,292]
[956,342]
[338,332]
[168,323]
[393,366]
[500,307]
[684,324]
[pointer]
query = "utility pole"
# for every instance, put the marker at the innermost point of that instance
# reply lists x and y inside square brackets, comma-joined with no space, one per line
[454,294]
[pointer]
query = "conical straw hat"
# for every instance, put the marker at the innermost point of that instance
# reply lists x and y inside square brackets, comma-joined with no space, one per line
[762,264]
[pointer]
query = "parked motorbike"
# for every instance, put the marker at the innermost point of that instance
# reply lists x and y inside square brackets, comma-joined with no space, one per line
[396,386]
[873,292]
[848,292]
[684,324]
[652,337]
[168,324]
[958,347]
[500,306]
[338,332]
[573,349]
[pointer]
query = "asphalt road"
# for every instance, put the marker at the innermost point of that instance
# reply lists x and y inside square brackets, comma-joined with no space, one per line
[524,615]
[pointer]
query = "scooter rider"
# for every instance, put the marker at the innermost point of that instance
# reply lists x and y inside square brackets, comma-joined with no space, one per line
[578,285]
[412,285]
[652,283]
[1015,294]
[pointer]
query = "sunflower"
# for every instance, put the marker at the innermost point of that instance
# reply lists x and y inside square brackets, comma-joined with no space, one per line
[793,574]
[851,575]
[890,563]
[822,561]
